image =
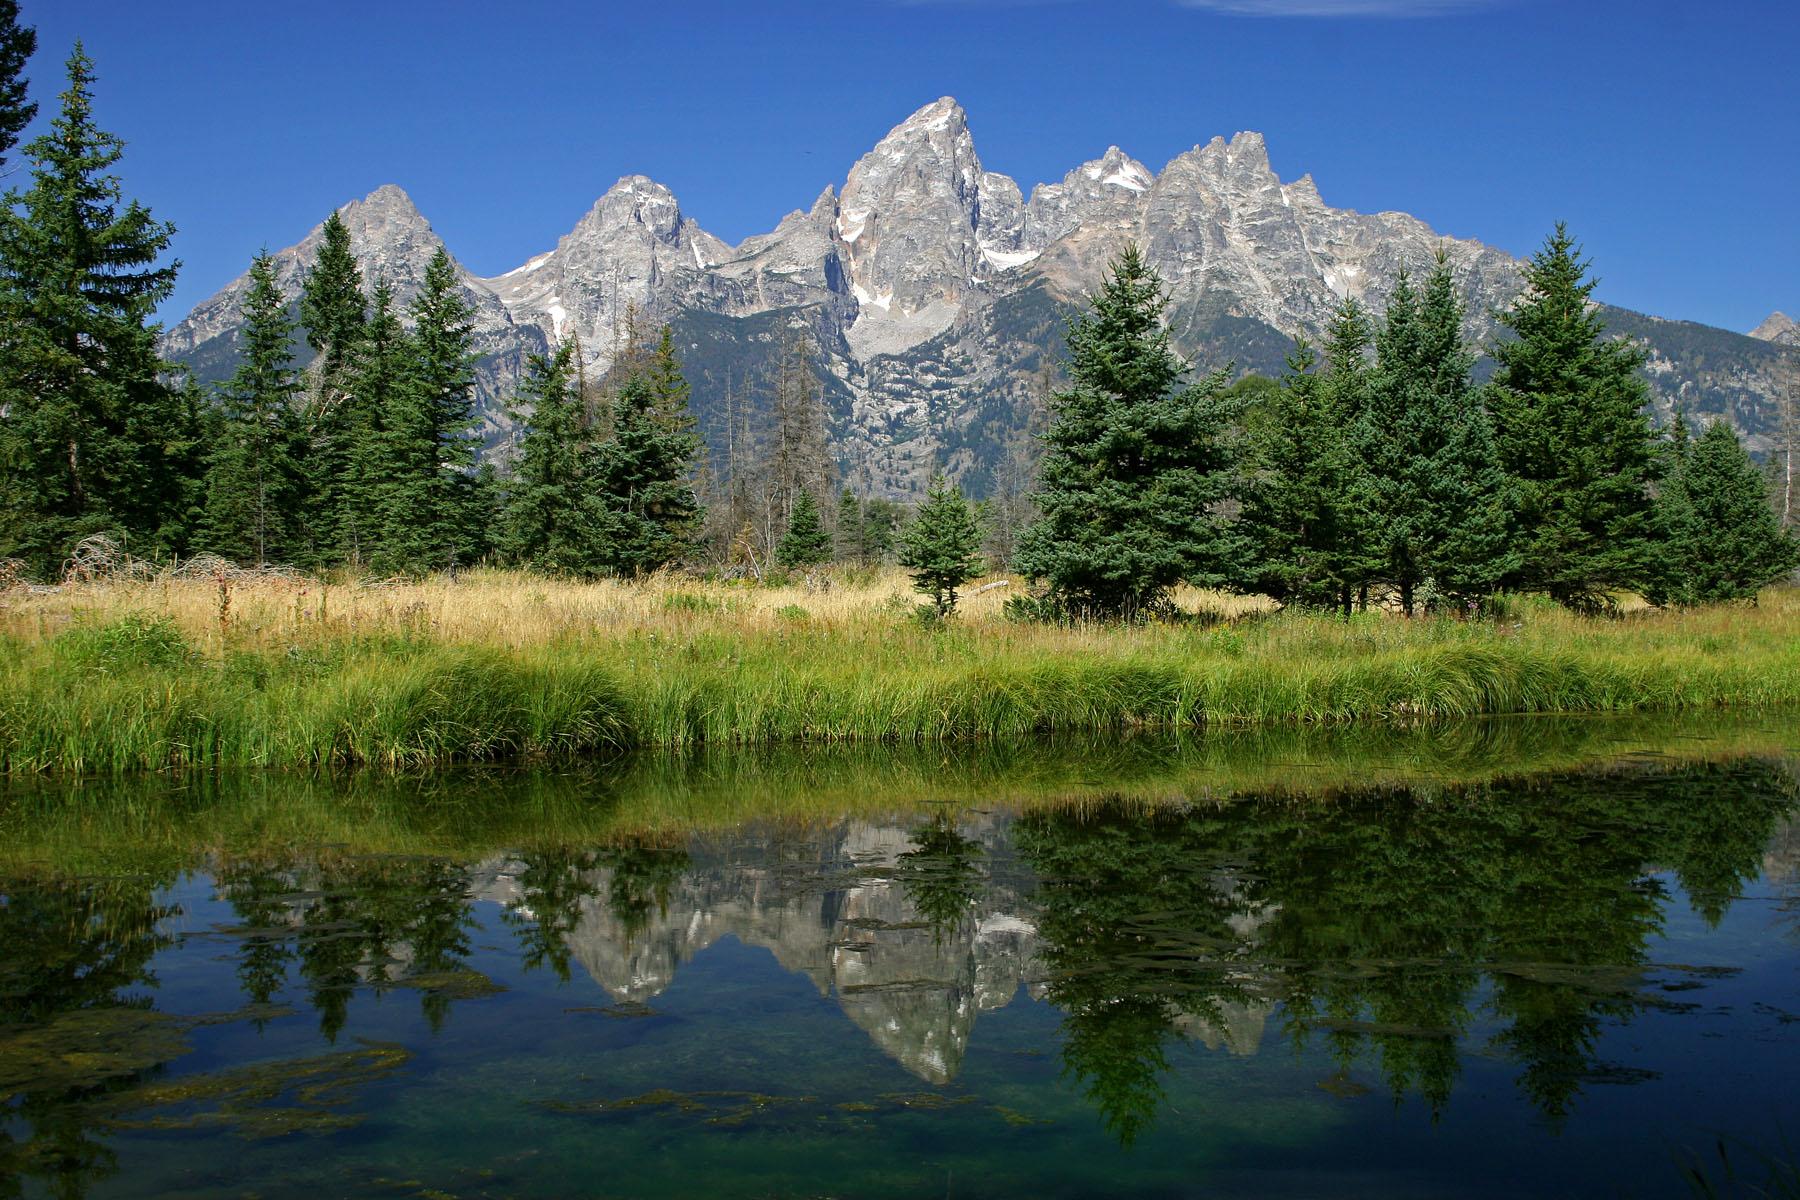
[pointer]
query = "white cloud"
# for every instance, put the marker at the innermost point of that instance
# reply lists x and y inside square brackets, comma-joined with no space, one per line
[1339,8]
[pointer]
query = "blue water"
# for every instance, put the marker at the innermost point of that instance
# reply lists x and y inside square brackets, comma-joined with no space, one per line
[1570,984]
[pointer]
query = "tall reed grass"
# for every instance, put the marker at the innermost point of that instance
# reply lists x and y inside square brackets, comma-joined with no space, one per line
[118,677]
[163,824]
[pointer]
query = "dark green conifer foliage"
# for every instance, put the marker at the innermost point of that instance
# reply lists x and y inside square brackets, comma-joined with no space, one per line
[807,542]
[881,519]
[548,523]
[332,307]
[849,541]
[17,44]
[254,473]
[641,495]
[1306,499]
[93,436]
[669,389]
[1573,432]
[1440,516]
[375,389]
[942,546]
[1137,464]
[433,517]
[1723,540]
[335,314]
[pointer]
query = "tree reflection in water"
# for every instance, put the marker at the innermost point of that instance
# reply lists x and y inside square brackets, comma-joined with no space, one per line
[75,1020]
[1383,925]
[1373,919]
[942,875]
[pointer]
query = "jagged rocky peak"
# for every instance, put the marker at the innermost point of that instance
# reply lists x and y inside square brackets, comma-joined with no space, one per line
[909,221]
[1779,328]
[390,237]
[1223,168]
[1107,191]
[633,252]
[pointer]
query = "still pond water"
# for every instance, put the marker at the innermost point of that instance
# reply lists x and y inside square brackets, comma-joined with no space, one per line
[1498,959]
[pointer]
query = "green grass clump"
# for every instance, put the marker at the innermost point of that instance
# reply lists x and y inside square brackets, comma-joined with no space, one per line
[381,704]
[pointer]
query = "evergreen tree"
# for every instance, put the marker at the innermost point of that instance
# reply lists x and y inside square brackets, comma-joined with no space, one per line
[1723,541]
[332,307]
[807,542]
[1349,384]
[669,391]
[335,314]
[92,438]
[942,546]
[17,44]
[1137,467]
[547,523]
[641,497]
[1306,500]
[1571,424]
[849,542]
[881,520]
[253,475]
[433,518]
[1441,515]
[373,484]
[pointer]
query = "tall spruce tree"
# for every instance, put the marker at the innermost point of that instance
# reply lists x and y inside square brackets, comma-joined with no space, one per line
[547,523]
[1571,422]
[1441,513]
[942,545]
[335,315]
[93,438]
[1306,499]
[254,474]
[641,494]
[669,390]
[1349,383]
[807,542]
[1138,465]
[432,508]
[17,44]
[376,384]
[1722,539]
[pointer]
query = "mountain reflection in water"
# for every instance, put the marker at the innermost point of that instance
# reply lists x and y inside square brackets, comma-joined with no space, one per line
[1402,931]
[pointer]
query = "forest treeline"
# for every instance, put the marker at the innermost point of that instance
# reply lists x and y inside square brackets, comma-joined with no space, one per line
[1377,471]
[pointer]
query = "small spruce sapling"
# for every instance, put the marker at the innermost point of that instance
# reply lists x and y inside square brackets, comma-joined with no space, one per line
[807,542]
[942,546]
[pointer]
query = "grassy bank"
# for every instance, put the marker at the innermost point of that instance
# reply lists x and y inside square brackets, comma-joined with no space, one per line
[118,677]
[162,824]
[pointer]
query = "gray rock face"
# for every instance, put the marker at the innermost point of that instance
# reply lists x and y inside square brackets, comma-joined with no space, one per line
[392,241]
[1779,328]
[936,293]
[833,906]
[917,993]
[634,250]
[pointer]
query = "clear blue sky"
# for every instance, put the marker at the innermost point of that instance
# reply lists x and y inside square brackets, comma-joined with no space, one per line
[1664,131]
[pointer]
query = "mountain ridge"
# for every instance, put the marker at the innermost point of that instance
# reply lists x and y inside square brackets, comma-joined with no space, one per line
[924,282]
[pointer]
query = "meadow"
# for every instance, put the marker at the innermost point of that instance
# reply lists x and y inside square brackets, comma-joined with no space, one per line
[121,675]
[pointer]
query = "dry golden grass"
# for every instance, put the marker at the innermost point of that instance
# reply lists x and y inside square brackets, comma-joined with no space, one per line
[516,610]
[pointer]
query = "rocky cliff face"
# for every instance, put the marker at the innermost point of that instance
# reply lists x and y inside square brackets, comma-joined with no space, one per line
[935,293]
[392,241]
[1779,328]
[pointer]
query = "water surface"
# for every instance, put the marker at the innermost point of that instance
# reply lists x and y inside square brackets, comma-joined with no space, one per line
[1494,959]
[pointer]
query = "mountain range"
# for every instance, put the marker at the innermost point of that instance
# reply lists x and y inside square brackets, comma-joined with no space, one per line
[935,292]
